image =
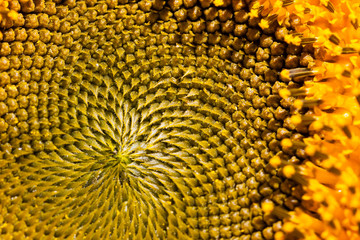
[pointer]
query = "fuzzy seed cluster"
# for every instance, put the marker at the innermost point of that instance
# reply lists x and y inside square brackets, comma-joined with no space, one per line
[144,120]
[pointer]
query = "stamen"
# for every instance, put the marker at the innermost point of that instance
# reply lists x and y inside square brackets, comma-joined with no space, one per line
[348,50]
[355,24]
[275,161]
[322,175]
[285,74]
[347,131]
[330,6]
[298,92]
[288,227]
[289,171]
[299,104]
[307,40]
[297,177]
[267,206]
[334,39]
[218,3]
[316,126]
[307,119]
[310,150]
[264,24]
[307,10]
[272,18]
[346,73]
[285,93]
[280,212]
[287,3]
[321,156]
[358,98]
[13,15]
[288,143]
[301,72]
[296,119]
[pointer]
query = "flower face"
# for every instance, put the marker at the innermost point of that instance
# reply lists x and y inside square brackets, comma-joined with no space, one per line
[170,119]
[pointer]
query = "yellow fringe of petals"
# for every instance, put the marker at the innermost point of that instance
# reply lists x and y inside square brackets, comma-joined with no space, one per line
[333,191]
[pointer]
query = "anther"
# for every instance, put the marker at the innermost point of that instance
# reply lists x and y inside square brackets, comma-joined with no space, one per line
[310,150]
[298,92]
[355,24]
[347,132]
[299,104]
[307,40]
[346,73]
[305,120]
[289,171]
[288,143]
[275,161]
[334,39]
[300,72]
[287,3]
[280,212]
[330,6]
[267,206]
[348,50]
[316,126]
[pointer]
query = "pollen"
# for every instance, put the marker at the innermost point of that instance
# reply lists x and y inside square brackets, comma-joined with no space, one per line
[13,15]
[267,207]
[289,171]
[284,93]
[298,104]
[286,143]
[264,24]
[296,119]
[218,3]
[310,150]
[275,161]
[285,74]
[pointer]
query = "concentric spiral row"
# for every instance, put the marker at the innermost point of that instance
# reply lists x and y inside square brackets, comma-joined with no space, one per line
[133,122]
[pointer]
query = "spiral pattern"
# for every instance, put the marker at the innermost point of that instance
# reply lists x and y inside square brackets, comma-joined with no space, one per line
[130,121]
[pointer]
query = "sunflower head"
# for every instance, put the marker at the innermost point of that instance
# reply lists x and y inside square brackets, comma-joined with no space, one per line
[150,120]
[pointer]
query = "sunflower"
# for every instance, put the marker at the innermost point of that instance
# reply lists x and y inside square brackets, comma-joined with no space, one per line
[179,119]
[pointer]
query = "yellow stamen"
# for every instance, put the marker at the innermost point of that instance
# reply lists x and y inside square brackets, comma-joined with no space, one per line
[296,40]
[318,197]
[218,3]
[284,93]
[286,143]
[296,119]
[310,150]
[264,24]
[279,236]
[288,227]
[298,104]
[285,74]
[316,126]
[267,207]
[13,15]
[275,161]
[289,171]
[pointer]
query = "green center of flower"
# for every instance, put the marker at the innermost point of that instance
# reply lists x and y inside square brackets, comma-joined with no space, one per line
[123,159]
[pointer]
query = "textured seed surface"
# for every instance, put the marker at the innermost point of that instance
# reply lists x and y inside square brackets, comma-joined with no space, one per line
[141,120]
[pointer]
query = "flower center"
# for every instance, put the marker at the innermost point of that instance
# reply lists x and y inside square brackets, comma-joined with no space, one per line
[123,159]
